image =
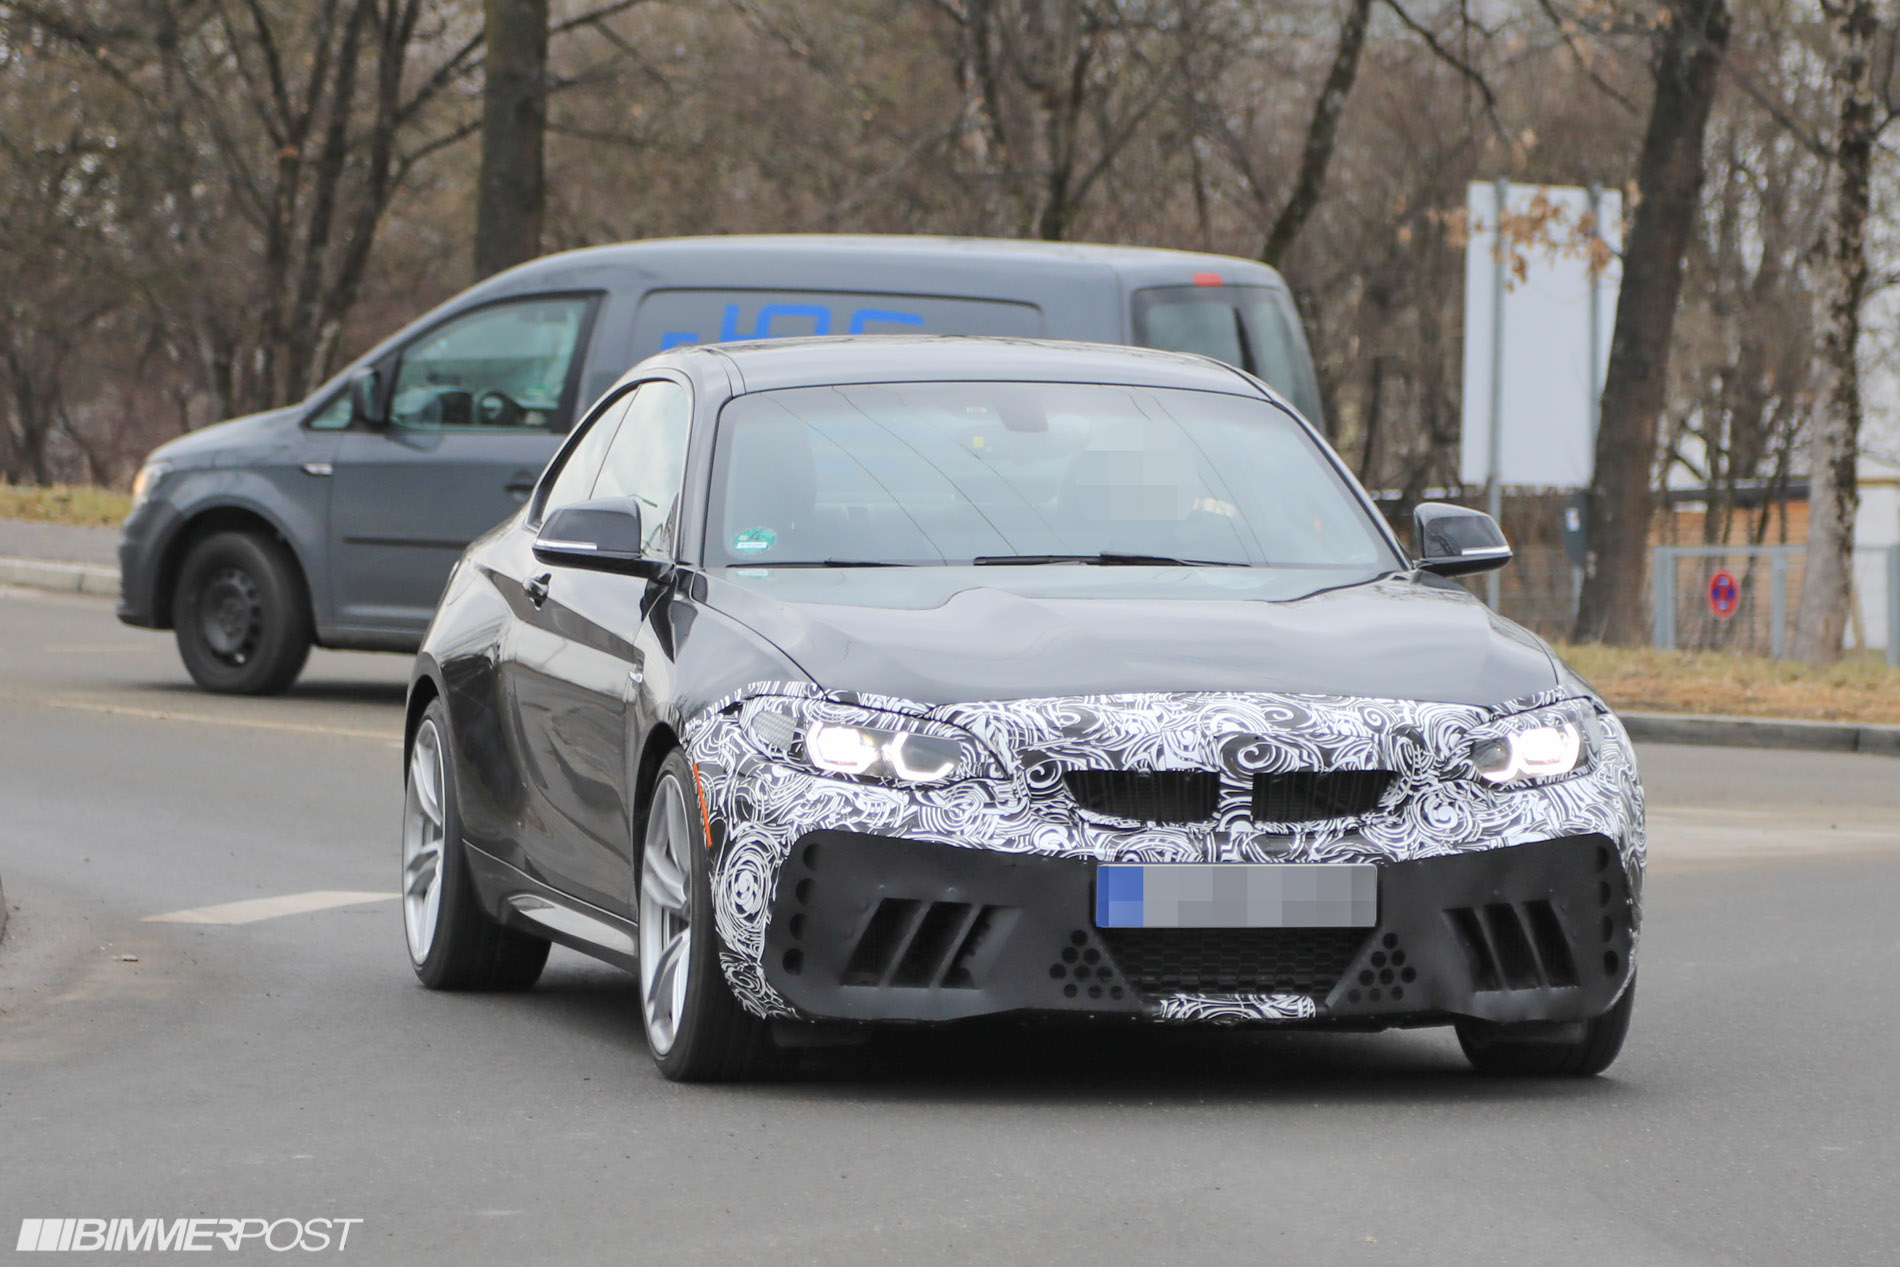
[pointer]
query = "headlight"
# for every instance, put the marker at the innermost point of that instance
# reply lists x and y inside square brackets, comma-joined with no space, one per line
[147,479]
[859,743]
[1547,743]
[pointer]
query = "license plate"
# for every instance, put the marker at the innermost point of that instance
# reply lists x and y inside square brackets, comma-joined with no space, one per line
[1236,895]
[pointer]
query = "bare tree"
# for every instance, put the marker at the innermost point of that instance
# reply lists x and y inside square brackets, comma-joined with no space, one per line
[1833,486]
[511,194]
[1689,41]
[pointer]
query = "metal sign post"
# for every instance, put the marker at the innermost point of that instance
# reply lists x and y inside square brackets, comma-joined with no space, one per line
[1493,484]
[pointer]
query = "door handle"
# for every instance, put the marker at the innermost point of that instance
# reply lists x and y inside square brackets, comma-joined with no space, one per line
[537,588]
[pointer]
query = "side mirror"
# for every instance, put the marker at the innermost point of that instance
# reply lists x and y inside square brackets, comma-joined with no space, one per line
[1455,541]
[603,536]
[366,397]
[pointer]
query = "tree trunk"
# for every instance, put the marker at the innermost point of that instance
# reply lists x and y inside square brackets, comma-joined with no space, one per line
[513,192]
[1833,486]
[1320,134]
[1690,46]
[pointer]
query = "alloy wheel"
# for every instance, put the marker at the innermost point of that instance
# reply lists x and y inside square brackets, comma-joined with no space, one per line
[424,830]
[666,927]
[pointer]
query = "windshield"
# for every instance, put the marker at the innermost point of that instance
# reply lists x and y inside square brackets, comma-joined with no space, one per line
[1252,327]
[961,473]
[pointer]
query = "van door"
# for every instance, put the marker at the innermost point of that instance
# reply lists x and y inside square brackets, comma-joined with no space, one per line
[476,408]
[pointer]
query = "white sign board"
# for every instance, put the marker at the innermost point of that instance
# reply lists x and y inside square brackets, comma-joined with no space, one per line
[1545,425]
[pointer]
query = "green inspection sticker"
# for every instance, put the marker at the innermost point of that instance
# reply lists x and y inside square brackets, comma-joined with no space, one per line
[754,540]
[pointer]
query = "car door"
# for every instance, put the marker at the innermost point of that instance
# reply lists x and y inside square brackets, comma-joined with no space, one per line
[475,408]
[589,649]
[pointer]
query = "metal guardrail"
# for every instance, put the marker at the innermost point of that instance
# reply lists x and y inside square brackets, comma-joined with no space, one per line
[1685,615]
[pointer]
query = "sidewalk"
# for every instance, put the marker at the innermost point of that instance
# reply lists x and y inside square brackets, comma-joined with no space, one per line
[59,557]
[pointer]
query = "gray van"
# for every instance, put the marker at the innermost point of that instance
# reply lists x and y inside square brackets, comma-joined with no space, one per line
[336,521]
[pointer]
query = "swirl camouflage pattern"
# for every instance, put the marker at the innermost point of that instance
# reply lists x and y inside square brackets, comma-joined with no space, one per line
[1437,805]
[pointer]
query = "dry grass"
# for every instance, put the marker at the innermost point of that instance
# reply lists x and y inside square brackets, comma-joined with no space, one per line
[1642,679]
[81,504]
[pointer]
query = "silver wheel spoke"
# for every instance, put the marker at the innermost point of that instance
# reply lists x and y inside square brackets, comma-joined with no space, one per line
[669,886]
[668,980]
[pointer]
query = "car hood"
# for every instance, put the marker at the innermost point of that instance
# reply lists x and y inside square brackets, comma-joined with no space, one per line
[239,441]
[940,635]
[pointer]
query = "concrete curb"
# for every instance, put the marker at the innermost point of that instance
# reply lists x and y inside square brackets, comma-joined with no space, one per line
[81,578]
[1763,732]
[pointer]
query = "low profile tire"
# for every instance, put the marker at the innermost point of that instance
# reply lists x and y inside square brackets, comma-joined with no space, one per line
[1492,1050]
[453,944]
[695,1028]
[241,615]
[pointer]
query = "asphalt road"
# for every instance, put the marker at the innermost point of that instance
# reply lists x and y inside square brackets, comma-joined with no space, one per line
[291,1067]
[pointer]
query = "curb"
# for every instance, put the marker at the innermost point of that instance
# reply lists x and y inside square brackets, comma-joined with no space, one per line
[1763,732]
[80,578]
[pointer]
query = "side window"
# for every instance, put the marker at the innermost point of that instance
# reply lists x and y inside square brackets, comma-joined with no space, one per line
[647,460]
[503,368]
[576,476]
[334,416]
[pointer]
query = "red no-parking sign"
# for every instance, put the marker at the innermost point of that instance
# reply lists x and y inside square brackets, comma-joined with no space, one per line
[1725,594]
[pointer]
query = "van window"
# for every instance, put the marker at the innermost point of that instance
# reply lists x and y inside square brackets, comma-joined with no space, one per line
[1252,327]
[504,366]
[670,318]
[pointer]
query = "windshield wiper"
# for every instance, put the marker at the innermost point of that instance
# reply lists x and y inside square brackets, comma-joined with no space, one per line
[825,563]
[1106,559]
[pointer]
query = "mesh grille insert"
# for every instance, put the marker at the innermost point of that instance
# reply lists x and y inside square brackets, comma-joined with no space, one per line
[1233,960]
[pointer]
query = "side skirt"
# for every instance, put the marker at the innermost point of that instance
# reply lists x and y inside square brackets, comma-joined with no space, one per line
[522,902]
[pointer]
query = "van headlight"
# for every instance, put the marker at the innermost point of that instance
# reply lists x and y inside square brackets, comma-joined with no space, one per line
[865,745]
[1538,746]
[147,479]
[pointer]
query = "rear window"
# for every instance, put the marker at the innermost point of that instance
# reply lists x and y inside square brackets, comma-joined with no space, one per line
[670,318]
[1252,327]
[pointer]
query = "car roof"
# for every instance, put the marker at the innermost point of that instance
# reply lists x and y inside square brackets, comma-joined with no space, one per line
[770,364]
[995,267]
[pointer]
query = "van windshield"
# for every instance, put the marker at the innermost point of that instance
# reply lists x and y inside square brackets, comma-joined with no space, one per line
[1027,473]
[1251,327]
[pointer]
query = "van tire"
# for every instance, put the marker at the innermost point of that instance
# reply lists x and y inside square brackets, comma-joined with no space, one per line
[241,615]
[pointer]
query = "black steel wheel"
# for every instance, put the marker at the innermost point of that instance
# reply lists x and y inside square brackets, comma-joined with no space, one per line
[241,615]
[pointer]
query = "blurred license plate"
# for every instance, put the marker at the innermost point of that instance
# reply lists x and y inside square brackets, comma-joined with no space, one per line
[1236,895]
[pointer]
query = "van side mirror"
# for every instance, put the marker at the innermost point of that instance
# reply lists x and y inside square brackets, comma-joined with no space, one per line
[366,397]
[1456,541]
[602,536]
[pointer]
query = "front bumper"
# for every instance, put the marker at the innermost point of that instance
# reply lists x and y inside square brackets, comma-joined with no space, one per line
[867,928]
[142,541]
[997,873]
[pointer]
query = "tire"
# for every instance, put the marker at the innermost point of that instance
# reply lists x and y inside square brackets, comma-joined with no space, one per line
[696,1030]
[1492,1050]
[241,615]
[453,943]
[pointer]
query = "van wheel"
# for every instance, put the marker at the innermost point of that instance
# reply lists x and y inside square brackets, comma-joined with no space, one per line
[241,616]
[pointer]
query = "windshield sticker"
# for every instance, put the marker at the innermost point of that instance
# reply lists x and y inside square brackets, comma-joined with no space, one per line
[754,541]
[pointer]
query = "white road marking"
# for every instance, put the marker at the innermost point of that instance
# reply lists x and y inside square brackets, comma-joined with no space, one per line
[165,714]
[259,908]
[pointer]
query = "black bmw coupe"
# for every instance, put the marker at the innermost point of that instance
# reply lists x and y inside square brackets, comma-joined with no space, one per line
[833,682]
